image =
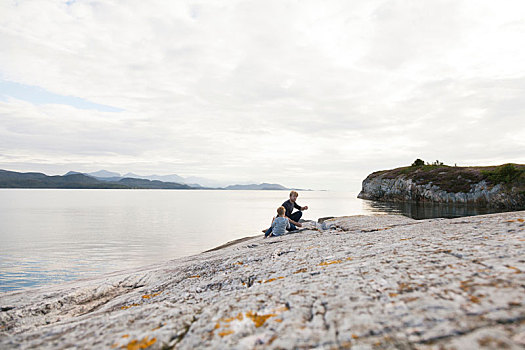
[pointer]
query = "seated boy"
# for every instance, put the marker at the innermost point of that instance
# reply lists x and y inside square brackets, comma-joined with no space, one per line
[279,224]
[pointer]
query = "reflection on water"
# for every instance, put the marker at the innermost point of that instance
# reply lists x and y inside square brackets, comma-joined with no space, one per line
[425,210]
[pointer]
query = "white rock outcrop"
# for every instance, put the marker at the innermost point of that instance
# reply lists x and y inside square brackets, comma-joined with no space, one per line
[366,282]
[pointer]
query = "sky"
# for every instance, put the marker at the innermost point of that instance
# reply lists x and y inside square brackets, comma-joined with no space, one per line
[308,94]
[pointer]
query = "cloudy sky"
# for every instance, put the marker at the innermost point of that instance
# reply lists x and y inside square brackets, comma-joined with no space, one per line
[311,94]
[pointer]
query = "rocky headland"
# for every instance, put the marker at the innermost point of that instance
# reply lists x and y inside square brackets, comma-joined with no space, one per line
[362,282]
[498,187]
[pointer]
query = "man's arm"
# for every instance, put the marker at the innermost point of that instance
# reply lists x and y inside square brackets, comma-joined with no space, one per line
[297,206]
[298,224]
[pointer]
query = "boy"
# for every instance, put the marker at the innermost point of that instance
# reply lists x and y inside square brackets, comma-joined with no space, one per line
[279,224]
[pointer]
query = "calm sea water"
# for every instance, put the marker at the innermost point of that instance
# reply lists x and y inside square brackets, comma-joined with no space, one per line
[49,236]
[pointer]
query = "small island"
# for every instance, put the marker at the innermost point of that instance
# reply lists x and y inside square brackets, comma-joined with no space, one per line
[500,186]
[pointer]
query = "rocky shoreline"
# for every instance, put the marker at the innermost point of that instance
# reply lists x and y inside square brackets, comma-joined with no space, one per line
[444,184]
[365,282]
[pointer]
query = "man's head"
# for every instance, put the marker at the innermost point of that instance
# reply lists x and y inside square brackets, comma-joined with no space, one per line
[281,210]
[293,196]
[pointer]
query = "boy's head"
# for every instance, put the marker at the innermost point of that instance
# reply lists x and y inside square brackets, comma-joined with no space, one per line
[281,211]
[293,196]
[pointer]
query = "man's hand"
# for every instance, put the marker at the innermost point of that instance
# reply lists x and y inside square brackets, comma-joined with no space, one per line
[304,208]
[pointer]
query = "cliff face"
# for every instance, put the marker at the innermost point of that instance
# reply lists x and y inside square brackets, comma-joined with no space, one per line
[442,184]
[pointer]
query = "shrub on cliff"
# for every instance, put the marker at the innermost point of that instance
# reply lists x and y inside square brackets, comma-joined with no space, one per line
[505,174]
[418,162]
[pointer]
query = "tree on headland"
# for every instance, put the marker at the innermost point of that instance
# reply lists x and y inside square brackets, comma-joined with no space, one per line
[418,162]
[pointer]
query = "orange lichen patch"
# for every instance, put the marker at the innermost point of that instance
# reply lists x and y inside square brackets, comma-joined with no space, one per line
[406,239]
[273,279]
[129,306]
[301,271]
[355,336]
[326,263]
[158,327]
[465,285]
[195,276]
[226,332]
[521,220]
[278,320]
[239,317]
[149,296]
[259,320]
[348,259]
[392,295]
[474,299]
[272,339]
[281,309]
[513,268]
[140,344]
[114,345]
[125,336]
[406,287]
[238,263]
[511,221]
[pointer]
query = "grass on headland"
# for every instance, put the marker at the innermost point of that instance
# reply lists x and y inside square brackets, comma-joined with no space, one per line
[459,179]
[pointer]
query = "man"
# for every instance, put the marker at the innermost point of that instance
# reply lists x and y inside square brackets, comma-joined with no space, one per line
[294,218]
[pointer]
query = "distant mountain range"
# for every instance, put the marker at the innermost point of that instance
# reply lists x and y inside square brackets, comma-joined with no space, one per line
[192,181]
[12,179]
[263,186]
[106,179]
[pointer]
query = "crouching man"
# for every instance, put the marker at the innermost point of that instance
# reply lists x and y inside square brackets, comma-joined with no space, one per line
[289,206]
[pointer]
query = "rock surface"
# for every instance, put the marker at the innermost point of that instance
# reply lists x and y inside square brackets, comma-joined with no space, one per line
[365,282]
[401,188]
